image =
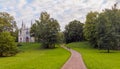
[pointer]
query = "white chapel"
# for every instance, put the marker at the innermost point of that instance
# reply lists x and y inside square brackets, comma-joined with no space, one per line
[24,34]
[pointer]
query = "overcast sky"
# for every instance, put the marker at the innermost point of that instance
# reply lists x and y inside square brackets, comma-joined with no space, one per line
[62,10]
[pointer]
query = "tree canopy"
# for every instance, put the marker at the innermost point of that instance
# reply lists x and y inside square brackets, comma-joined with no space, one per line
[108,28]
[103,29]
[7,22]
[46,30]
[74,31]
[90,27]
[8,27]
[7,45]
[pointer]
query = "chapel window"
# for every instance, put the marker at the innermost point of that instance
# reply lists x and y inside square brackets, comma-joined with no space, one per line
[27,32]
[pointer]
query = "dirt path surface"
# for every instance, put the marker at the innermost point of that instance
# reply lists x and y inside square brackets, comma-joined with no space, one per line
[75,61]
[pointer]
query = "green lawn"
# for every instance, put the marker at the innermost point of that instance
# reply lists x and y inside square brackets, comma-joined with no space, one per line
[32,57]
[97,59]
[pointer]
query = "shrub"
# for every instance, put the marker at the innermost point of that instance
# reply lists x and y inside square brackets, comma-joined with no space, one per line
[7,45]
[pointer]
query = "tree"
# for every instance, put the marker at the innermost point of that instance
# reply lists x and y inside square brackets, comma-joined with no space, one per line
[90,28]
[7,45]
[108,28]
[33,31]
[103,30]
[15,34]
[47,30]
[7,22]
[7,28]
[74,31]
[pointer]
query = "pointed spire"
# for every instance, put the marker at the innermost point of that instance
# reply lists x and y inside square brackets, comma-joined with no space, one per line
[22,23]
[31,23]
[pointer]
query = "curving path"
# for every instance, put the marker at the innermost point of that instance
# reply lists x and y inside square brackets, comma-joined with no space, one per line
[75,61]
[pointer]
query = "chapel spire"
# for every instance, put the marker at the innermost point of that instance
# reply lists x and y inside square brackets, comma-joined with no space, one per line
[22,23]
[31,23]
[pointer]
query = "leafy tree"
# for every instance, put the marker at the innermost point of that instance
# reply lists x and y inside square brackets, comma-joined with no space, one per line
[90,28]
[33,31]
[74,31]
[108,29]
[103,29]
[7,22]
[47,30]
[15,34]
[7,45]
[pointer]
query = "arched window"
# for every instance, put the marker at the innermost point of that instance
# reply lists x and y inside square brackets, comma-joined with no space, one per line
[20,38]
[27,39]
[27,32]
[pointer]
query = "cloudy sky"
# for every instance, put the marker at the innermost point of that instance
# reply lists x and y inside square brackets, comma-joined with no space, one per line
[62,10]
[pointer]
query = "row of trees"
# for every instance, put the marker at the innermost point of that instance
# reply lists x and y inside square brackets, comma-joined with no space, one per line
[102,29]
[8,33]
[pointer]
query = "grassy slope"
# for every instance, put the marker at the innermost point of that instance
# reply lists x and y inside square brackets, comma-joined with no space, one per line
[97,59]
[33,57]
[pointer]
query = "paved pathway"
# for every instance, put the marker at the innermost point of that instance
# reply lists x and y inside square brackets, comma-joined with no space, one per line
[75,61]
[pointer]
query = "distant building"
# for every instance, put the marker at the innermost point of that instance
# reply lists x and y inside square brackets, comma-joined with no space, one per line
[24,34]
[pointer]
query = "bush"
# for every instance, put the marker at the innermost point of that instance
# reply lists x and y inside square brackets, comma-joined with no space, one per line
[7,45]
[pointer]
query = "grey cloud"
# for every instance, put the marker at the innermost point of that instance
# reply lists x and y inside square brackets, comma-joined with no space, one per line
[62,10]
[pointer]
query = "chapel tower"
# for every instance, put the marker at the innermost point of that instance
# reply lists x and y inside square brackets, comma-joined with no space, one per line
[24,34]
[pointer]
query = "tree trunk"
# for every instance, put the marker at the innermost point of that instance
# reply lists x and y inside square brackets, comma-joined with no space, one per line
[108,50]
[1,54]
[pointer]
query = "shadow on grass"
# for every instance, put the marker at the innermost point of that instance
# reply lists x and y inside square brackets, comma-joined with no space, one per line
[42,48]
[109,52]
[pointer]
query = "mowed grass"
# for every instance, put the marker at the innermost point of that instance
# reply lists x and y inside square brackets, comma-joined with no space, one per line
[97,59]
[33,57]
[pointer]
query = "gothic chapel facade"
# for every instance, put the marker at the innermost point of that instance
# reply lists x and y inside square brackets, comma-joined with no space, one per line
[24,35]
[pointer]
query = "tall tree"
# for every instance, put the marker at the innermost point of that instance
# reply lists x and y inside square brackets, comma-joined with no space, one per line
[74,31]
[7,22]
[108,28]
[47,30]
[7,42]
[90,28]
[33,31]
